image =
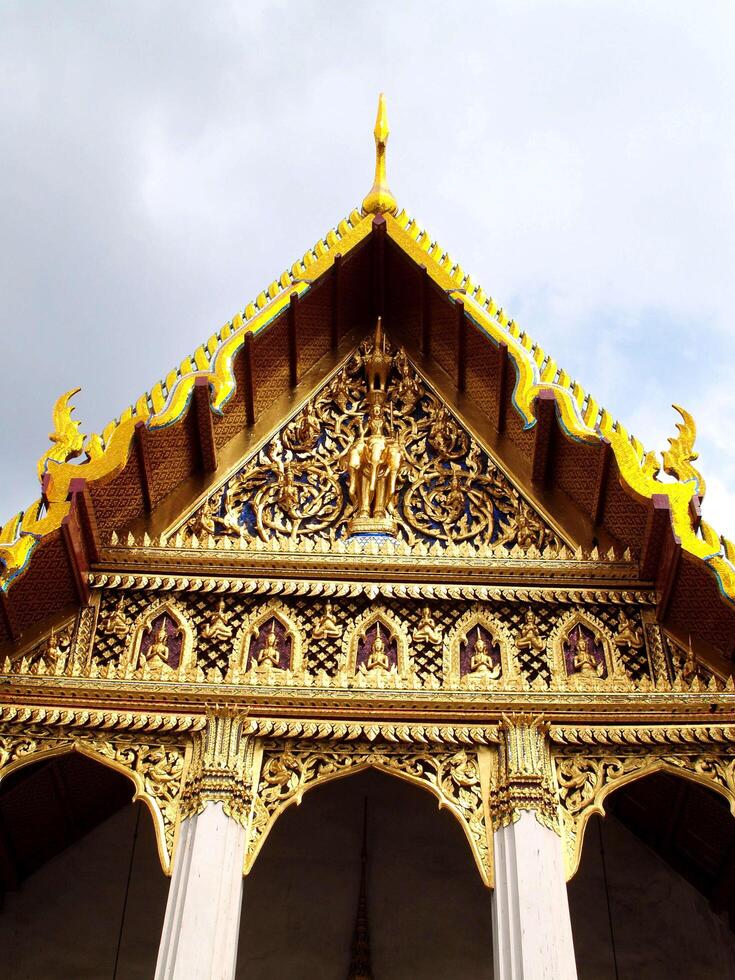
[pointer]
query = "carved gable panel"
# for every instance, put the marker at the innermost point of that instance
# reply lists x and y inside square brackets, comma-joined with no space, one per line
[374,454]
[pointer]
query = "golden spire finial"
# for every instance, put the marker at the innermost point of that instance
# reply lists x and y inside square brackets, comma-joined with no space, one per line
[380,200]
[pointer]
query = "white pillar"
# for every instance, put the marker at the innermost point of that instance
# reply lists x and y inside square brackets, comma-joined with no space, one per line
[202,924]
[532,930]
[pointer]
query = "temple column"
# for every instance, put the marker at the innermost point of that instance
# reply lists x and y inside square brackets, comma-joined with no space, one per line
[532,930]
[202,923]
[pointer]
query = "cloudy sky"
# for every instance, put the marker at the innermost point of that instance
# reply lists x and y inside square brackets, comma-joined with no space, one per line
[161,163]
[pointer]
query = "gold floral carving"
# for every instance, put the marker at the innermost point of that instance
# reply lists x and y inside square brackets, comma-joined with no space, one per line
[289,769]
[524,780]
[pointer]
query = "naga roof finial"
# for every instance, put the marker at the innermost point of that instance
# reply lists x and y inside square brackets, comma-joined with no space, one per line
[380,200]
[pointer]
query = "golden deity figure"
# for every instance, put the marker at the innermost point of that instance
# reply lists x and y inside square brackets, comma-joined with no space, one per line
[689,669]
[427,630]
[341,394]
[378,658]
[308,426]
[54,651]
[585,660]
[443,431]
[203,522]
[229,523]
[408,389]
[269,652]
[288,495]
[523,529]
[529,637]
[218,626]
[327,625]
[454,500]
[481,661]
[159,648]
[374,459]
[628,634]
[373,464]
[116,622]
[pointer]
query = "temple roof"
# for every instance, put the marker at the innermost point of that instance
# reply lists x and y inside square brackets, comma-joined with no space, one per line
[377,260]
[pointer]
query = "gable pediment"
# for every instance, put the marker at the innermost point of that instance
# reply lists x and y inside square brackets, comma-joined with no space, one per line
[368,458]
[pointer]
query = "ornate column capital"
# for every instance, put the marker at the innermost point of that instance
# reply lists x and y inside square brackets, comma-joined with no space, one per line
[219,768]
[525,776]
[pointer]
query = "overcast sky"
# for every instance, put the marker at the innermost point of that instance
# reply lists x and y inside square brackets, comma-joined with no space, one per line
[161,163]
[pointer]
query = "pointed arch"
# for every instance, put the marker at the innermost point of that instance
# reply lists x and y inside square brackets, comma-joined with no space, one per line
[291,639]
[586,781]
[167,623]
[479,617]
[610,673]
[155,770]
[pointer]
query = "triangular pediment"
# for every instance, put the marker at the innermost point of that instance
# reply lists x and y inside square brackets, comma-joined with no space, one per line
[376,454]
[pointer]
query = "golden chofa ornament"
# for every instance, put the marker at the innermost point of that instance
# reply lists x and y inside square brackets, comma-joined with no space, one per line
[379,199]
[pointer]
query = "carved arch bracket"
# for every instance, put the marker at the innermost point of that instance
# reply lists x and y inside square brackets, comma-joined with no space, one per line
[154,767]
[585,778]
[455,776]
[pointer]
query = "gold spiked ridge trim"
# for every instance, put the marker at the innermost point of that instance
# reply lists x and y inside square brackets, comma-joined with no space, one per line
[578,412]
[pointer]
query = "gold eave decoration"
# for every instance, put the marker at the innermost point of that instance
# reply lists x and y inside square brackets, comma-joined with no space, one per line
[579,414]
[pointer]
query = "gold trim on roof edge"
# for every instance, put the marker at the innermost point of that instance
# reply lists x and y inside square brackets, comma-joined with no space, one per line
[578,412]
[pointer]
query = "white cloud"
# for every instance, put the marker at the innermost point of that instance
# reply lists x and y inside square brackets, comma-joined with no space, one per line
[162,163]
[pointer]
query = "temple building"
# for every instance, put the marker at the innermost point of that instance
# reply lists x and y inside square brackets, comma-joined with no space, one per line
[367,550]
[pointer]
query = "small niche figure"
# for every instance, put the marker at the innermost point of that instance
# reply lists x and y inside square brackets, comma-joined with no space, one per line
[270,654]
[585,661]
[427,630]
[327,625]
[481,661]
[378,658]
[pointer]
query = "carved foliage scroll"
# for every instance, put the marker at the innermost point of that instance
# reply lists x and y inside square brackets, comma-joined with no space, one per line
[290,768]
[155,768]
[585,778]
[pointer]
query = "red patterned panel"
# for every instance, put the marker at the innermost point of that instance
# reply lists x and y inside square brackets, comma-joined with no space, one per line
[232,420]
[173,454]
[47,586]
[621,515]
[119,501]
[443,319]
[270,364]
[481,378]
[402,296]
[574,468]
[520,437]
[314,321]
[356,300]
[697,607]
